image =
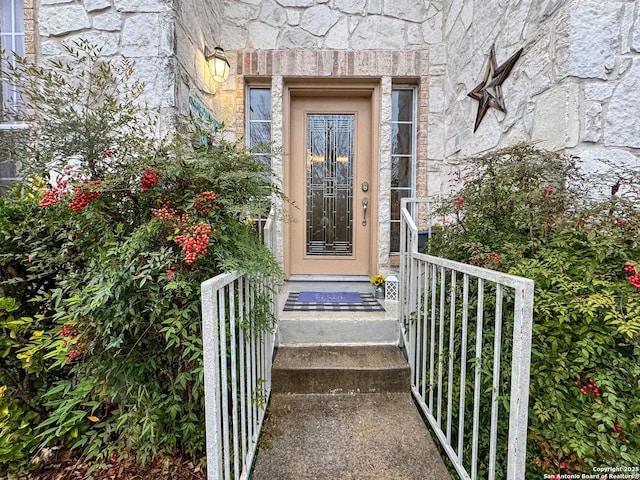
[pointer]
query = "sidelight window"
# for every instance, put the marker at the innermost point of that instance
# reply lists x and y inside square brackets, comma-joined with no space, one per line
[403,155]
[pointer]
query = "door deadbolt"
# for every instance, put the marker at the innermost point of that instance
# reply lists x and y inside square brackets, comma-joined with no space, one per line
[365,186]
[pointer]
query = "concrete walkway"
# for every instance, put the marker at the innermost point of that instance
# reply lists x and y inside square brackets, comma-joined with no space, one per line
[344,433]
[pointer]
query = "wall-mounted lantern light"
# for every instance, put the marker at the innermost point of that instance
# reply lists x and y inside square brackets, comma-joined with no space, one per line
[218,63]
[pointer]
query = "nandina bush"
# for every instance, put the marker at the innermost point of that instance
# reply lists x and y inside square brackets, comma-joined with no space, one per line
[531,213]
[104,247]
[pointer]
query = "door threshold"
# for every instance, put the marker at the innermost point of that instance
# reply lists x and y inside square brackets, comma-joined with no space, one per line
[328,278]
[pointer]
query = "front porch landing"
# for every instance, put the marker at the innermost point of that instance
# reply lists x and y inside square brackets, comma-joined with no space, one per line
[336,328]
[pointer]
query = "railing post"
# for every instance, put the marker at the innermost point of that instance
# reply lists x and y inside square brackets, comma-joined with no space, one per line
[402,287]
[520,378]
[210,347]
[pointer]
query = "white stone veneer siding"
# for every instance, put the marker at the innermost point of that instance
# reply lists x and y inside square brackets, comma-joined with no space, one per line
[576,87]
[164,38]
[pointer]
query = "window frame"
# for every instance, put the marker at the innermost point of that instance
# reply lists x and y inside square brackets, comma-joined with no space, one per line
[12,40]
[249,121]
[411,189]
[15,32]
[259,223]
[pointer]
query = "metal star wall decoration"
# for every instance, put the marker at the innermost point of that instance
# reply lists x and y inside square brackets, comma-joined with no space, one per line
[489,92]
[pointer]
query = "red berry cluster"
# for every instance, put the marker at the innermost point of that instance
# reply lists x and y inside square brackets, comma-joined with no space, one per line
[51,197]
[494,256]
[76,352]
[459,203]
[633,268]
[588,388]
[170,215]
[69,330]
[204,202]
[195,239]
[149,179]
[194,243]
[489,260]
[54,194]
[84,195]
[165,213]
[620,433]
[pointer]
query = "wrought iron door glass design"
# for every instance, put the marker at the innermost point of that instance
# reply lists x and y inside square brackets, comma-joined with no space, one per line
[330,145]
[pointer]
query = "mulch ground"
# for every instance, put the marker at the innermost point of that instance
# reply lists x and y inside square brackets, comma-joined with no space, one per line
[159,468]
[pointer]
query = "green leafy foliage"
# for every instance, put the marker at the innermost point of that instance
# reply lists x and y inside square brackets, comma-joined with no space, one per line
[104,247]
[529,212]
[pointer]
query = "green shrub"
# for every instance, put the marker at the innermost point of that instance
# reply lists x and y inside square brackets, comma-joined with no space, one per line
[104,247]
[528,212]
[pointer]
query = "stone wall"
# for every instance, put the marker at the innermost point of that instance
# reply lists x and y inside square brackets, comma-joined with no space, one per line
[198,25]
[141,30]
[576,87]
[335,24]
[164,38]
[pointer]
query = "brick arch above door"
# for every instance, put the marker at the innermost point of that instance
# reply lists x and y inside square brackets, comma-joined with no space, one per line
[333,63]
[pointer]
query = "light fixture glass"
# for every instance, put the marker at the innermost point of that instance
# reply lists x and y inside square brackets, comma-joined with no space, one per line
[218,63]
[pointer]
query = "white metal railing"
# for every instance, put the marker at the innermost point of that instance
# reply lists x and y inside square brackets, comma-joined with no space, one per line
[238,330]
[458,318]
[237,370]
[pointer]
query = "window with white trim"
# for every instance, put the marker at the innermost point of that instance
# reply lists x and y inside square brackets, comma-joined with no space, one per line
[259,123]
[11,42]
[258,130]
[403,155]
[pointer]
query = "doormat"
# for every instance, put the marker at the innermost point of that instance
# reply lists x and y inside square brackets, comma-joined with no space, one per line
[332,302]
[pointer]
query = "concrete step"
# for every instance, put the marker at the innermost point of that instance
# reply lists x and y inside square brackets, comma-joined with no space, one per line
[337,330]
[371,436]
[340,369]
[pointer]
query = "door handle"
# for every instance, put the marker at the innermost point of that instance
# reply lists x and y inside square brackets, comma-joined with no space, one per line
[365,204]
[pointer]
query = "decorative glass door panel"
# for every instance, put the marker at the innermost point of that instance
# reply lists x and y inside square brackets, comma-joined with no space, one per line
[329,215]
